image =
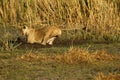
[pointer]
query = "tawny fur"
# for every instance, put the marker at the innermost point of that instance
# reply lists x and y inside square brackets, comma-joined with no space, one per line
[45,35]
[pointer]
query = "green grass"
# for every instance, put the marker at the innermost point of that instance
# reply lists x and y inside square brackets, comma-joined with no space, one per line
[12,67]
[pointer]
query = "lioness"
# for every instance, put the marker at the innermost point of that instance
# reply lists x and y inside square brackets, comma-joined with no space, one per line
[45,35]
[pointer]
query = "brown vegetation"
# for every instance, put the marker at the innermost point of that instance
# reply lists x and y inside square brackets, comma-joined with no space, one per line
[73,56]
[101,76]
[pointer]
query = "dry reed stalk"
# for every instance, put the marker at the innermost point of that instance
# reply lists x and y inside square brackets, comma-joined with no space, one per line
[100,17]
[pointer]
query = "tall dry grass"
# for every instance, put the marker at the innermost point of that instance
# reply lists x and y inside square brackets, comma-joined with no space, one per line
[100,17]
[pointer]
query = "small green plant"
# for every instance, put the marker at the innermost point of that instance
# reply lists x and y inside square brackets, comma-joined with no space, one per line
[6,40]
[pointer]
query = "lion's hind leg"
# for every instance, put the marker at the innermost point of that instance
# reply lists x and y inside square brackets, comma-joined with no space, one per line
[50,41]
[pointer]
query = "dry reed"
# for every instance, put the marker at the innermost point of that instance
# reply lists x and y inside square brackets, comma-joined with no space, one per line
[100,17]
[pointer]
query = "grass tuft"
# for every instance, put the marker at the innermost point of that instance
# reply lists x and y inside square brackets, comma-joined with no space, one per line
[73,56]
[101,76]
[29,57]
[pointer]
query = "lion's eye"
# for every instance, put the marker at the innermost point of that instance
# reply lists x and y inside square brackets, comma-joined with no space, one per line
[24,27]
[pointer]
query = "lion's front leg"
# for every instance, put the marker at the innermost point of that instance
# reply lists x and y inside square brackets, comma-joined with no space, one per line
[44,41]
[31,39]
